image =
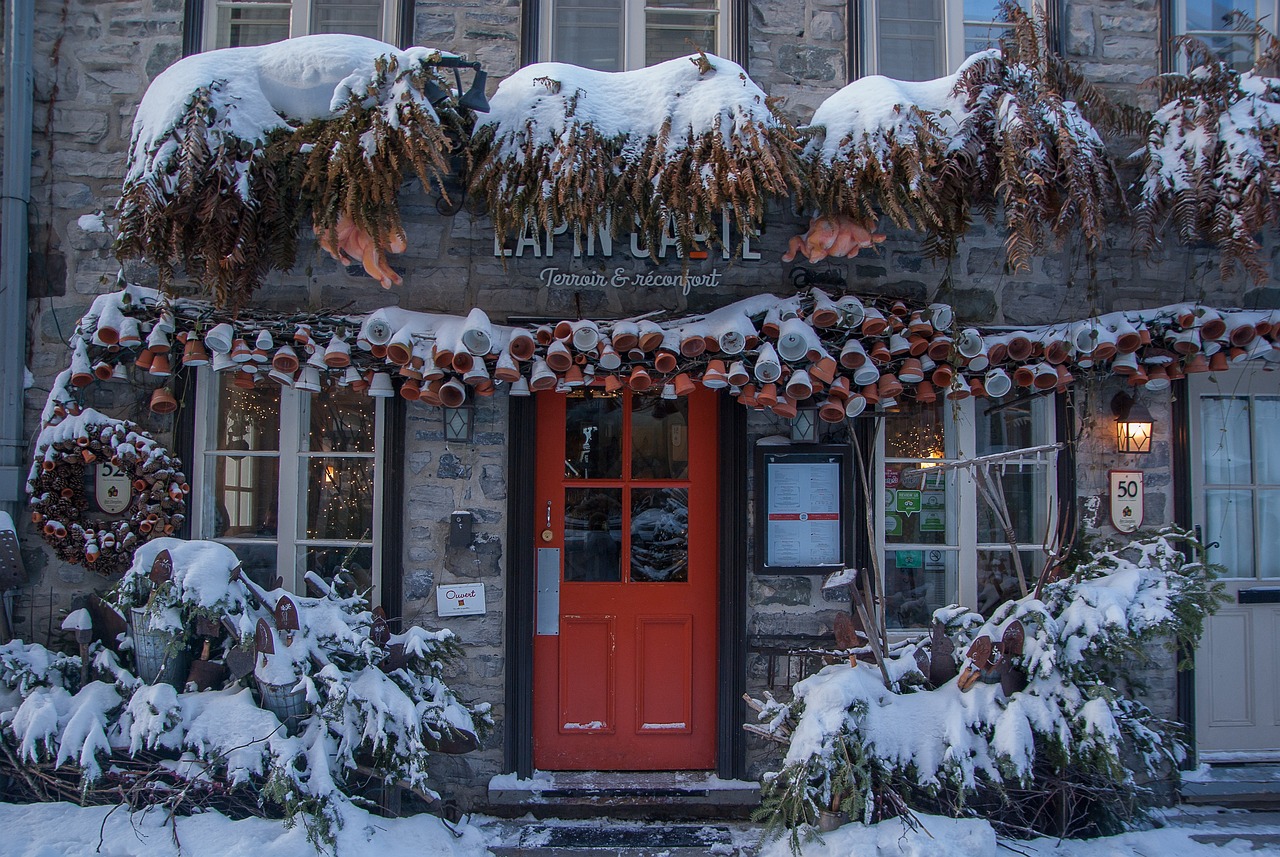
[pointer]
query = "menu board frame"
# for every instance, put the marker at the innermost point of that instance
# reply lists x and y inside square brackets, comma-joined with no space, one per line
[822,474]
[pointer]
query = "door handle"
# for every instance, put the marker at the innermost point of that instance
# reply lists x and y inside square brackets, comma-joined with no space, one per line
[547,535]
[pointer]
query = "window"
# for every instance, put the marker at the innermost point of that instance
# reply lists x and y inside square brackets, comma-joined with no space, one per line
[1210,22]
[942,544]
[616,35]
[1236,466]
[925,39]
[291,481]
[241,23]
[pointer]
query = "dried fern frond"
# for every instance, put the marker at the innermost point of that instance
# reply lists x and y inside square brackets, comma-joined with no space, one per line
[1211,164]
[1002,134]
[224,159]
[667,148]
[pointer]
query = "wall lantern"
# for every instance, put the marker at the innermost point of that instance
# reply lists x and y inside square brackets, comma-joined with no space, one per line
[1133,424]
[459,423]
[804,426]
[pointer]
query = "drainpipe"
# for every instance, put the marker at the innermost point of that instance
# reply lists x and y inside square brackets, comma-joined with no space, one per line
[16,193]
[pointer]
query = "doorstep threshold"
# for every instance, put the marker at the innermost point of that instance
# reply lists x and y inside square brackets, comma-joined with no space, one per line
[605,788]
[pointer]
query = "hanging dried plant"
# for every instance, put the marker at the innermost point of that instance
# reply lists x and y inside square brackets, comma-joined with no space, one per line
[669,147]
[1002,134]
[1211,165]
[229,148]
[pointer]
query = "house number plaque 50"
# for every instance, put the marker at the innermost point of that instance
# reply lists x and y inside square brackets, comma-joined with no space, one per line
[1126,500]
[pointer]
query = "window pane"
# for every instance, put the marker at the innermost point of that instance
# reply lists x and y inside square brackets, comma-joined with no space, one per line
[1229,523]
[1005,430]
[245,494]
[998,579]
[660,534]
[917,582]
[1266,440]
[669,35]
[593,534]
[593,437]
[659,438]
[252,23]
[346,16]
[1224,431]
[1025,494]
[339,498]
[919,507]
[1268,523]
[351,567]
[1213,14]
[342,420]
[588,33]
[916,432]
[247,420]
[259,562]
[911,43]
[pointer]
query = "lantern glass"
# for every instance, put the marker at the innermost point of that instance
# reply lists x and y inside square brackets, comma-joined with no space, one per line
[804,426]
[1133,425]
[458,424]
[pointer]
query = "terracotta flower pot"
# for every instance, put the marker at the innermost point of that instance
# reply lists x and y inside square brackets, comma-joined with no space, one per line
[162,401]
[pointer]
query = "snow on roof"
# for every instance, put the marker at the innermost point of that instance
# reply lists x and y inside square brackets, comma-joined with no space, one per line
[260,90]
[538,103]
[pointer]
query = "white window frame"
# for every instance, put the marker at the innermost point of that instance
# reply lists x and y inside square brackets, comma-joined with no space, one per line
[633,31]
[960,429]
[291,507]
[1266,12]
[953,24]
[299,18]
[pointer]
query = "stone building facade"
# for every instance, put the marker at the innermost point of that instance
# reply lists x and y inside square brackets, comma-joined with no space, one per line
[94,60]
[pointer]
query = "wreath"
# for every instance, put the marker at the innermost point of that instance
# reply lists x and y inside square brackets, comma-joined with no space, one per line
[57,486]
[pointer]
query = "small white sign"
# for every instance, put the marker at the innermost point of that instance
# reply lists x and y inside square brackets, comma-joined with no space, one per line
[1126,500]
[460,599]
[113,489]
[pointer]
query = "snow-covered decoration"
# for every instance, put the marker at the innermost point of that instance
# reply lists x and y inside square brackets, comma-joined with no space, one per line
[1211,165]
[668,147]
[872,750]
[371,706]
[1003,130]
[154,505]
[230,147]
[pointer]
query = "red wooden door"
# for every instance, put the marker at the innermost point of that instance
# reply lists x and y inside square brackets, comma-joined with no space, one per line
[625,649]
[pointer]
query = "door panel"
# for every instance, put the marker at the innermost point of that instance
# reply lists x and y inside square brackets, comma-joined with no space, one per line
[626,499]
[1235,470]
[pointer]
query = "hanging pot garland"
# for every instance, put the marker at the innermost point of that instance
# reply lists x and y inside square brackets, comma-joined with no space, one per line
[135,478]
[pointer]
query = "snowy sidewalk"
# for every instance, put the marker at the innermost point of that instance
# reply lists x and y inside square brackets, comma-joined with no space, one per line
[64,830]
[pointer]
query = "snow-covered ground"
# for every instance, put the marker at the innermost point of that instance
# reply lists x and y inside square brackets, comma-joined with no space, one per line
[60,830]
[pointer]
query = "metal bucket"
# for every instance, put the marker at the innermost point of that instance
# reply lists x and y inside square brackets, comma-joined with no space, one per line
[154,652]
[289,705]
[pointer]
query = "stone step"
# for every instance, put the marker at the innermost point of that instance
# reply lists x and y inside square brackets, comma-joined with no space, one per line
[674,794]
[610,838]
[1256,786]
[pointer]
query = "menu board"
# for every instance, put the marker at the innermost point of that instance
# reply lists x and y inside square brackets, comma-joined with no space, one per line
[802,511]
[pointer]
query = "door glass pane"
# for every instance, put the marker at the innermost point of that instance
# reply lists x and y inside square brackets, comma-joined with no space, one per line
[998,579]
[1212,14]
[593,534]
[1005,430]
[247,419]
[1268,524]
[917,582]
[246,23]
[918,507]
[659,438]
[339,498]
[341,421]
[593,437]
[1229,523]
[911,45]
[351,567]
[660,534]
[245,493]
[259,562]
[982,25]
[1266,440]
[1224,433]
[588,33]
[347,16]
